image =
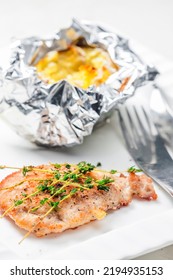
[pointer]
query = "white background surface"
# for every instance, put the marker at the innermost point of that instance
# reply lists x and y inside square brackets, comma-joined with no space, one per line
[149,22]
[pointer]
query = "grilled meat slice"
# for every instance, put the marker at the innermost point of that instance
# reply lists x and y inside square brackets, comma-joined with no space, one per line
[52,198]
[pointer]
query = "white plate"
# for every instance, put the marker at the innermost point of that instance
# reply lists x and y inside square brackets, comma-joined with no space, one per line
[141,227]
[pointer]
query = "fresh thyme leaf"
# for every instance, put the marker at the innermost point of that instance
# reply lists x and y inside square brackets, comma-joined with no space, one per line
[51,189]
[73,191]
[26,169]
[113,171]
[88,180]
[104,181]
[90,186]
[46,182]
[132,169]
[60,191]
[66,176]
[54,204]
[24,194]
[85,167]
[63,197]
[74,177]
[98,164]
[57,175]
[57,165]
[42,187]
[18,202]
[35,209]
[59,181]
[103,188]
[43,201]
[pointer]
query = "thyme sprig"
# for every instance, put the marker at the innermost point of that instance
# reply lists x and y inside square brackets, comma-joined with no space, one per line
[61,182]
[18,202]
[61,177]
[133,169]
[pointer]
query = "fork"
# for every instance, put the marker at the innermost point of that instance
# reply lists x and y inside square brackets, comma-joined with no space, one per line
[146,146]
[162,114]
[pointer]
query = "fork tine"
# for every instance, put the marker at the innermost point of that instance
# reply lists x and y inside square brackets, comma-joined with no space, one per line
[134,139]
[159,142]
[152,156]
[148,121]
[133,128]
[127,137]
[144,133]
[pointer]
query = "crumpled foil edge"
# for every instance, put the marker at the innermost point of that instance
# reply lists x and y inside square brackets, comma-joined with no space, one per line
[62,114]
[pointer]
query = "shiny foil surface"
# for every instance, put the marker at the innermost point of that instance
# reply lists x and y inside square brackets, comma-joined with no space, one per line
[61,114]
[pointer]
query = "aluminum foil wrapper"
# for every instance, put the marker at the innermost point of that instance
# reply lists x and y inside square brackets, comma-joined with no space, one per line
[62,114]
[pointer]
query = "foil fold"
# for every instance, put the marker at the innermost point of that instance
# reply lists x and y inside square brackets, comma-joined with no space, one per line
[62,114]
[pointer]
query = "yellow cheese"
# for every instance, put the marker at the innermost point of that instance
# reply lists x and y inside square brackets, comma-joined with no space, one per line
[99,214]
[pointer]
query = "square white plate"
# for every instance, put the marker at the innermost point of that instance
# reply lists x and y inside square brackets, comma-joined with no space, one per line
[141,227]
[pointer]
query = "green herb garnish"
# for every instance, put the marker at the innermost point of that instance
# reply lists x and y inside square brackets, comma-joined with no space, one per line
[74,177]
[60,191]
[90,186]
[85,167]
[88,180]
[73,191]
[62,184]
[54,204]
[102,184]
[42,187]
[104,181]
[26,169]
[103,188]
[51,189]
[132,169]
[18,202]
[57,175]
[66,176]
[113,171]
[57,165]
[24,194]
[43,201]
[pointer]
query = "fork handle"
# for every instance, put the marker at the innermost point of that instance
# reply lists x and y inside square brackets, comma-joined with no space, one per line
[164,185]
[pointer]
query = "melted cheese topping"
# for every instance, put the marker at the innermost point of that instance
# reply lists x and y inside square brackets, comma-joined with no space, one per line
[81,66]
